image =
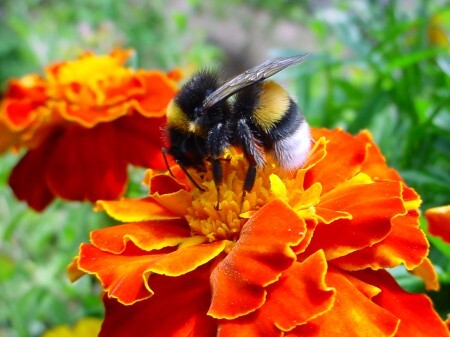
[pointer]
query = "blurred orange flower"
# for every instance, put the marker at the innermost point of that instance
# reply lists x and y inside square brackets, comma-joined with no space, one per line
[438,219]
[303,255]
[83,123]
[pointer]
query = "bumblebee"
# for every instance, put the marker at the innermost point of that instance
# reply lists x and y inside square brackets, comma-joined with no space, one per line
[261,119]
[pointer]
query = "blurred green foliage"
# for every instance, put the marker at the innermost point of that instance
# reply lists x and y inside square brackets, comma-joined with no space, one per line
[377,66]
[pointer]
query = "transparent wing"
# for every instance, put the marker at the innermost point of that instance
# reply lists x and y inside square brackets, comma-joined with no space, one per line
[251,76]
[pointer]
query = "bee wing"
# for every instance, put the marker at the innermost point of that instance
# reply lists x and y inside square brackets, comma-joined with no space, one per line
[251,76]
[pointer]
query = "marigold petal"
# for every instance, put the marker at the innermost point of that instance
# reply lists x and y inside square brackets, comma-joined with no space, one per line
[73,272]
[300,295]
[327,216]
[159,90]
[415,311]
[177,308]
[340,164]
[372,207]
[353,314]
[262,252]
[121,275]
[177,202]
[439,222]
[145,235]
[8,138]
[316,155]
[86,165]
[27,179]
[89,116]
[375,163]
[124,276]
[141,140]
[310,228]
[406,243]
[428,274]
[188,258]
[163,184]
[132,210]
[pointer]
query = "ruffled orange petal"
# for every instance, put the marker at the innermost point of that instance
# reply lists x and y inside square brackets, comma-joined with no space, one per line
[340,164]
[124,276]
[22,101]
[375,163]
[425,270]
[159,90]
[353,314]
[152,235]
[177,309]
[415,311]
[131,210]
[372,207]
[439,222]
[300,295]
[262,253]
[406,243]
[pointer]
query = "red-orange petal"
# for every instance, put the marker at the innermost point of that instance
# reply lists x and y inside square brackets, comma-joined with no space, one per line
[262,253]
[406,243]
[124,276]
[352,315]
[27,179]
[415,311]
[177,309]
[375,163]
[141,140]
[87,165]
[163,184]
[300,295]
[439,222]
[340,164]
[372,207]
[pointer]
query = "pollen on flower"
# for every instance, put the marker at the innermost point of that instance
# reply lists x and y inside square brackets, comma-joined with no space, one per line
[225,223]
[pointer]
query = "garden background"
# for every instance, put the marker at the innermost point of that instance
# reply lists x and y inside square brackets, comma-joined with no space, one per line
[377,65]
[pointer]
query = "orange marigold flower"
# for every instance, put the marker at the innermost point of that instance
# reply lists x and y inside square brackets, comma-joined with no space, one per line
[83,123]
[303,255]
[438,219]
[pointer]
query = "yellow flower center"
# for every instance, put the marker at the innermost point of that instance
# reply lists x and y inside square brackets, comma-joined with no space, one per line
[225,223]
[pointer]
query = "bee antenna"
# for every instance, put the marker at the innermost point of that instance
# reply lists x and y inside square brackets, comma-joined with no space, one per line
[164,152]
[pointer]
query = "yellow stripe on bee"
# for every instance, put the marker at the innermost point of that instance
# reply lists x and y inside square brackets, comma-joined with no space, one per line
[176,117]
[273,104]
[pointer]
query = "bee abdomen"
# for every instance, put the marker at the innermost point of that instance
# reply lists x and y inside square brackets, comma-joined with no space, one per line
[290,152]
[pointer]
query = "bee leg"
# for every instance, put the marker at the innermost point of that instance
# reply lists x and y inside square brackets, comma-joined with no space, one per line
[216,142]
[218,176]
[248,182]
[252,152]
